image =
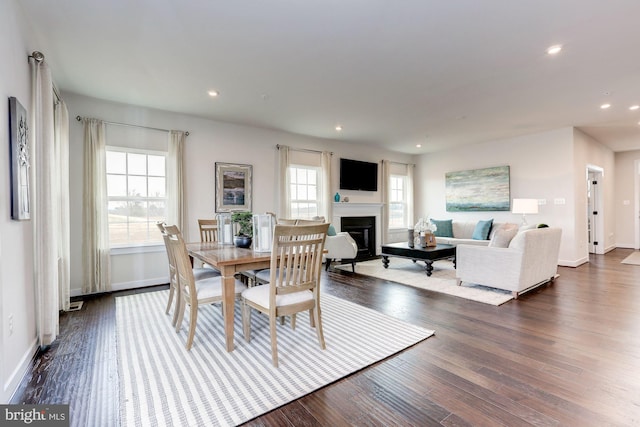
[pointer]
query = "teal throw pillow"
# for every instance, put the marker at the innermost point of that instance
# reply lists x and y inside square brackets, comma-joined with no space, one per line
[482,230]
[331,231]
[444,228]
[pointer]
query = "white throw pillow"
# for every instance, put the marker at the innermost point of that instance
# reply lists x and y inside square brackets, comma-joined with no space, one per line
[502,237]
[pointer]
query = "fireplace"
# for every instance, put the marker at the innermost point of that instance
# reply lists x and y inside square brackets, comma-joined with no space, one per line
[363,231]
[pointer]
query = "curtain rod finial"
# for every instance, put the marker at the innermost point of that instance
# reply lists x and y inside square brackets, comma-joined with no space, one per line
[38,56]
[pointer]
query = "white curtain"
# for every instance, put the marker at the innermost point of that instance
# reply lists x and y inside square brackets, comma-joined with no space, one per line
[61,147]
[175,181]
[285,196]
[326,208]
[95,237]
[44,212]
[410,219]
[386,196]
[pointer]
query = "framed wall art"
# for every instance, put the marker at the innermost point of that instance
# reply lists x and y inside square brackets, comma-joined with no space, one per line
[233,187]
[478,190]
[20,161]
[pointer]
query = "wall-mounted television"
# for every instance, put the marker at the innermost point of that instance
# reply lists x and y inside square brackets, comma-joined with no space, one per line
[358,175]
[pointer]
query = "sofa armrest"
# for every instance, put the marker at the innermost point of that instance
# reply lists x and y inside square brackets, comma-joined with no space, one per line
[489,266]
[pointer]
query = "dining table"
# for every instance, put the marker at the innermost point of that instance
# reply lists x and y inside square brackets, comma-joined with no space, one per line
[229,260]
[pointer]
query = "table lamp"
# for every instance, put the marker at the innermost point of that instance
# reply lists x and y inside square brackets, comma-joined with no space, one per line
[524,207]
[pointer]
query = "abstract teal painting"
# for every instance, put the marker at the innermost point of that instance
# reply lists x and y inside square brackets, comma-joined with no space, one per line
[478,190]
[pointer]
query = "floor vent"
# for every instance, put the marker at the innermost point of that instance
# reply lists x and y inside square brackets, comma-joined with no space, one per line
[75,305]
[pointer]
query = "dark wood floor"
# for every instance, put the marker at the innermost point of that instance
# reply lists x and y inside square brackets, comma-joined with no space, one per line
[565,354]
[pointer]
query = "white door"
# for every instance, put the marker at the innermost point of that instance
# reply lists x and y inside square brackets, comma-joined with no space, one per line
[592,212]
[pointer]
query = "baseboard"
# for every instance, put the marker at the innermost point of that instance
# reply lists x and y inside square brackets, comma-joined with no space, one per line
[123,286]
[575,263]
[15,379]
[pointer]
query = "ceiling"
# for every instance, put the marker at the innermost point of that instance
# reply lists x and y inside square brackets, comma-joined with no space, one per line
[392,73]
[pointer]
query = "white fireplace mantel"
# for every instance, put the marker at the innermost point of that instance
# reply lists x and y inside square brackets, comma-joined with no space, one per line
[348,209]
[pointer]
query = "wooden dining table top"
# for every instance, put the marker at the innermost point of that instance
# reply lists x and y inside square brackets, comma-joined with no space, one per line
[219,255]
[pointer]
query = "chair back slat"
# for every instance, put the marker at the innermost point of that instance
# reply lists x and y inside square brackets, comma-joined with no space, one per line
[208,230]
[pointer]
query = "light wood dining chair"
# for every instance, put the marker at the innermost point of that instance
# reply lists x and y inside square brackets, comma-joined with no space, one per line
[294,285]
[194,293]
[208,230]
[198,274]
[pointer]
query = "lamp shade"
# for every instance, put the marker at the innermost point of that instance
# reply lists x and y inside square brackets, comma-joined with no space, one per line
[525,206]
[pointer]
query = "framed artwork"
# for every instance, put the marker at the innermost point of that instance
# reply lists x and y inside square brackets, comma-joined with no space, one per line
[233,187]
[478,190]
[20,161]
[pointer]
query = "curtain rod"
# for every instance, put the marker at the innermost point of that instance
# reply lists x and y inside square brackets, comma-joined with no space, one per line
[79,118]
[304,150]
[399,163]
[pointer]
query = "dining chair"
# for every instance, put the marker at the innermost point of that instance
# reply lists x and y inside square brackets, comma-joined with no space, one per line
[194,293]
[208,234]
[208,230]
[262,277]
[198,274]
[294,285]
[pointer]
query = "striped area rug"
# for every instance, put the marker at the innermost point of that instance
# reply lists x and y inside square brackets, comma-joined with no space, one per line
[161,384]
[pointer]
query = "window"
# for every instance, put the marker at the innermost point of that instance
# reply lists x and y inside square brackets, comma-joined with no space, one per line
[397,202]
[137,196]
[304,188]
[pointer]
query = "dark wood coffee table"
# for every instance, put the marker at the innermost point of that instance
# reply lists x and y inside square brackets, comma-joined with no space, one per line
[428,254]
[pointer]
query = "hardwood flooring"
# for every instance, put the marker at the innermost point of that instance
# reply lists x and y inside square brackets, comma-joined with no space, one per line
[565,354]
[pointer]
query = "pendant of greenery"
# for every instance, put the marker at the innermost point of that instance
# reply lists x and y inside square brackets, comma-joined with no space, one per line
[245,223]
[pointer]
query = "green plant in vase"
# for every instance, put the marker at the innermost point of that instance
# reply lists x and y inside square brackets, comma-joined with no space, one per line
[244,228]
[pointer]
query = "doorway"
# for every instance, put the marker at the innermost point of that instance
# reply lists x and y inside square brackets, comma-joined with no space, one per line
[595,224]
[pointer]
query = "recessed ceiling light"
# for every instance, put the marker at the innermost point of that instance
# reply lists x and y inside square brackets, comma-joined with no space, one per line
[605,106]
[418,145]
[338,128]
[634,107]
[553,50]
[213,93]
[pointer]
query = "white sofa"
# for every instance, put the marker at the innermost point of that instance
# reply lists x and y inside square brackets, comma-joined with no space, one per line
[531,259]
[462,232]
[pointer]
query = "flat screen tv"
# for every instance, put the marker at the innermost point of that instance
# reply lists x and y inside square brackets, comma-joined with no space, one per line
[358,175]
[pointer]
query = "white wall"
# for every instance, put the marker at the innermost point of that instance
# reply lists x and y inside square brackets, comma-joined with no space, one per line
[16,238]
[541,167]
[625,198]
[208,142]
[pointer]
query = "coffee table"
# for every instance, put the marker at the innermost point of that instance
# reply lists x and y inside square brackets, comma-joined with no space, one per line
[428,254]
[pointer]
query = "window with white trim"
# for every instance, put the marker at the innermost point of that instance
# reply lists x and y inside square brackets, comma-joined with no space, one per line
[137,196]
[397,201]
[304,191]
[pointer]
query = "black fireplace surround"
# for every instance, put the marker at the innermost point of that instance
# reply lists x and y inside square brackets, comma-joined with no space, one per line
[363,231]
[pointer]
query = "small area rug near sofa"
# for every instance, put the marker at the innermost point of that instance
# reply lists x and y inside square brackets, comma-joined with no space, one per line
[633,259]
[443,279]
[161,384]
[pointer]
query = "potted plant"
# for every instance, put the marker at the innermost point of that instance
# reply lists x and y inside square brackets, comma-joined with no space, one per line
[244,232]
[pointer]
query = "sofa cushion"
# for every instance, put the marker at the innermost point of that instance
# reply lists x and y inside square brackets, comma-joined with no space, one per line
[482,229]
[444,228]
[331,231]
[503,235]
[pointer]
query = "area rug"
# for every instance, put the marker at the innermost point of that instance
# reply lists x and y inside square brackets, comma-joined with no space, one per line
[443,279]
[161,384]
[633,259]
